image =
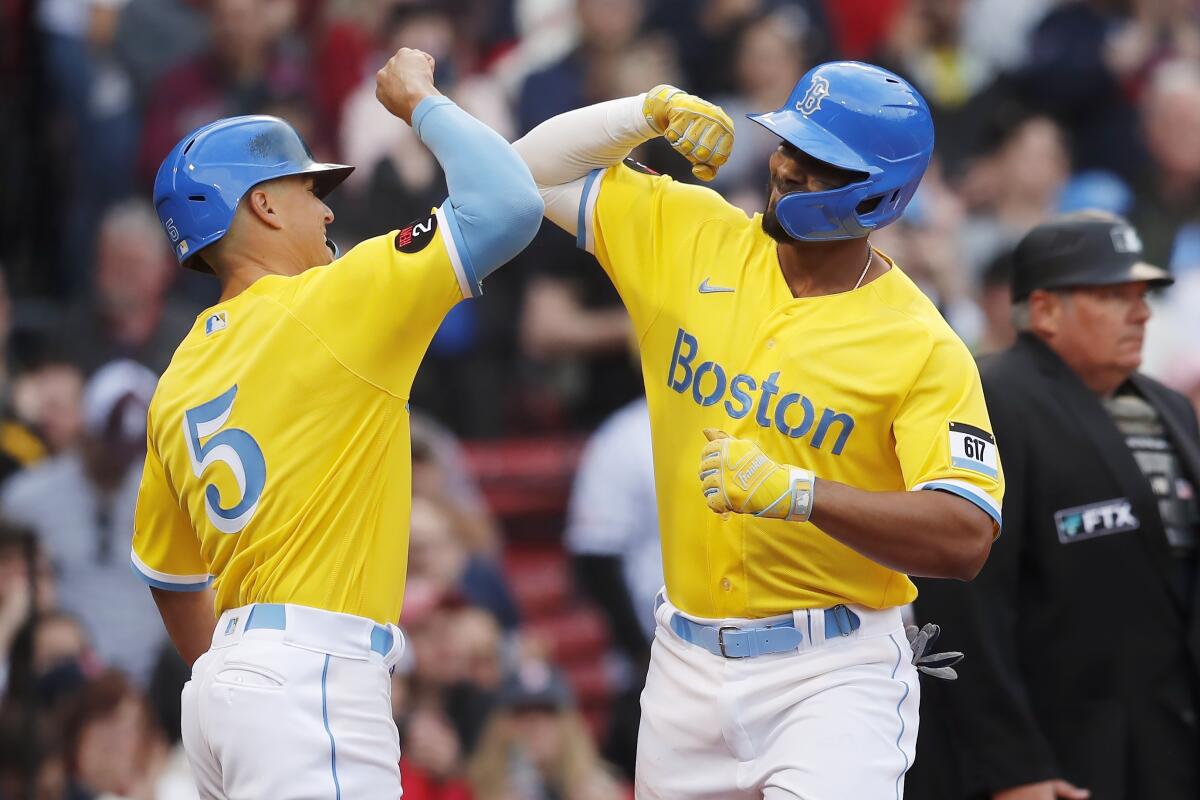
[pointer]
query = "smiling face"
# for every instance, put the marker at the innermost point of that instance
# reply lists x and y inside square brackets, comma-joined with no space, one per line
[793,170]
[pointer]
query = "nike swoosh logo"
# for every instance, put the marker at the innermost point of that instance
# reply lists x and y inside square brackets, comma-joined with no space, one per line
[706,289]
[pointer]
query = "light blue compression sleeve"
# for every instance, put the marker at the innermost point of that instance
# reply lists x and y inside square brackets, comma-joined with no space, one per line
[494,207]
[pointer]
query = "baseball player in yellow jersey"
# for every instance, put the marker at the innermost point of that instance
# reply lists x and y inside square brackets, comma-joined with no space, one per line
[279,467]
[823,394]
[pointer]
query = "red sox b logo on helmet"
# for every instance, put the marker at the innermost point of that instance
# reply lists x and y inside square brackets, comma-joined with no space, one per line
[817,92]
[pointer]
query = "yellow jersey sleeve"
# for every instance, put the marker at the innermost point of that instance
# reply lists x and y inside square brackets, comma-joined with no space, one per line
[943,435]
[642,229]
[166,551]
[378,307]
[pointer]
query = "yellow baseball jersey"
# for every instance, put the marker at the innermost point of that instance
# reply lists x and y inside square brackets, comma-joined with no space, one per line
[869,387]
[278,464]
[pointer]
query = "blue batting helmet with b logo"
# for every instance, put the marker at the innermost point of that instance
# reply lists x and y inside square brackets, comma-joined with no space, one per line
[202,179]
[861,118]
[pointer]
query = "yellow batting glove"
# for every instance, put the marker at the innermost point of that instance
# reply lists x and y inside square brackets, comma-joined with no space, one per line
[736,475]
[698,130]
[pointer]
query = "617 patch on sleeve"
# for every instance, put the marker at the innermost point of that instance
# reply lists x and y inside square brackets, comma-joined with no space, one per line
[973,448]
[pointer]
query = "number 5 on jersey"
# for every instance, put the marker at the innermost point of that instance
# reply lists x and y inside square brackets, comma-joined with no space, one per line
[233,447]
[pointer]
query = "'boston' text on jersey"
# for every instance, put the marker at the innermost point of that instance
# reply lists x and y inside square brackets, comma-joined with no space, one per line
[685,374]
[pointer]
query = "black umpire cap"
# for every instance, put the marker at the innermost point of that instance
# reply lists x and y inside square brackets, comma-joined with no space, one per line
[1086,248]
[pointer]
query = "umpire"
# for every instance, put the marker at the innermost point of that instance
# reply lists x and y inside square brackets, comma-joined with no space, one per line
[1082,632]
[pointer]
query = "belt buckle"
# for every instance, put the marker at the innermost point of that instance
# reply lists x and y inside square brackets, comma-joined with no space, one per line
[721,639]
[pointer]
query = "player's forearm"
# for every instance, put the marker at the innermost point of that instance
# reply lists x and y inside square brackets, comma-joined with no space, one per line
[569,146]
[189,620]
[495,203]
[926,533]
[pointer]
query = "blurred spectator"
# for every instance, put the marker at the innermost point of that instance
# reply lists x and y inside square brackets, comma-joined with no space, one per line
[249,62]
[130,315]
[457,657]
[31,759]
[19,447]
[49,400]
[112,746]
[925,45]
[1157,31]
[607,29]
[431,760]
[80,503]
[771,54]
[536,746]
[1167,206]
[1067,76]
[153,36]
[440,474]
[575,330]
[709,33]
[998,30]
[439,564]
[1014,185]
[995,300]
[92,93]
[22,567]
[612,535]
[61,661]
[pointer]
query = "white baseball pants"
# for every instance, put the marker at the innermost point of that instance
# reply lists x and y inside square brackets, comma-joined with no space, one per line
[834,720]
[294,704]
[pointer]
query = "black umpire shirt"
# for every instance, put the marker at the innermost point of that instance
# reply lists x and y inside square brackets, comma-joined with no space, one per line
[1082,632]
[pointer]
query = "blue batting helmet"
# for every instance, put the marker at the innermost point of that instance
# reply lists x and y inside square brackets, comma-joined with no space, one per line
[857,117]
[201,180]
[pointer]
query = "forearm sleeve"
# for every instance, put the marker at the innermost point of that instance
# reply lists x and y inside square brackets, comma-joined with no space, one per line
[564,149]
[493,201]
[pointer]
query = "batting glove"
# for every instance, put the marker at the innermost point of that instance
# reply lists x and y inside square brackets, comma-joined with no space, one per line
[939,665]
[698,130]
[736,475]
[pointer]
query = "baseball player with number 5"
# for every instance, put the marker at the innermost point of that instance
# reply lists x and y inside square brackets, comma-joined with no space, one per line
[848,443]
[278,467]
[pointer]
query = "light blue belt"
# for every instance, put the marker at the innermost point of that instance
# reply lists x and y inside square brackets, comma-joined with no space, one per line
[273,616]
[733,641]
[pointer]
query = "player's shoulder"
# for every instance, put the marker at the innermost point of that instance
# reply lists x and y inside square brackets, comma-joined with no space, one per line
[911,309]
[698,203]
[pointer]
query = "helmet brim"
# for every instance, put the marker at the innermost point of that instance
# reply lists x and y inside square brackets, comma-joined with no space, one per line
[812,139]
[327,177]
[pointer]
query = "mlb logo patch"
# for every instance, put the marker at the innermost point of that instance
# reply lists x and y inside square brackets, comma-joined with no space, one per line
[232,626]
[215,322]
[1095,519]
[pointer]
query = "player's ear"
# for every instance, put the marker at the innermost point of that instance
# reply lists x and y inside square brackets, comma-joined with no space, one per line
[259,202]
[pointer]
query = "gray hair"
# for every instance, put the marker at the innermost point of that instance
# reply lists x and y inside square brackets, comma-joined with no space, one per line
[1019,316]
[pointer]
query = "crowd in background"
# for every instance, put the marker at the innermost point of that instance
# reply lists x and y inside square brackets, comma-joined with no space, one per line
[1040,106]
